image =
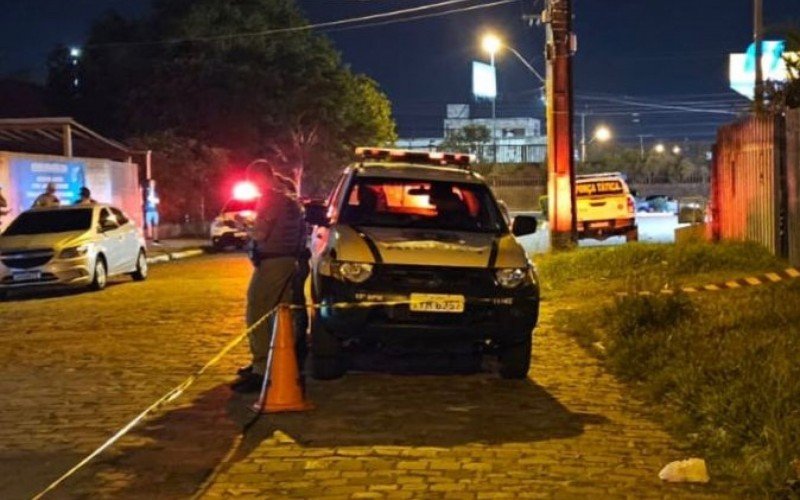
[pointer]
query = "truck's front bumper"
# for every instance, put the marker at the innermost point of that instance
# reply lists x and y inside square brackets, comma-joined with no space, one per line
[379,309]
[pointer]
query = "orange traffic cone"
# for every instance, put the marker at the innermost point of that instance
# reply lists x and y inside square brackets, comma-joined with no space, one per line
[282,391]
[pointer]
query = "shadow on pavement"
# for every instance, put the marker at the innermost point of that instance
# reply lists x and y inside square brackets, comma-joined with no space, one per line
[169,456]
[374,410]
[173,455]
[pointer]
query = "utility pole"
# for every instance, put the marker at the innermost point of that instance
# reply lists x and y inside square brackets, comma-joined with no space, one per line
[758,30]
[583,137]
[494,116]
[560,154]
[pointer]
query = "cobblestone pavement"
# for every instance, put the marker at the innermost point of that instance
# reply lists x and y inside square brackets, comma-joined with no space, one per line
[73,378]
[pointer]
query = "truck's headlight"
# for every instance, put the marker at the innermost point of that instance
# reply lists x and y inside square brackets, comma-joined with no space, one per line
[512,277]
[74,252]
[355,272]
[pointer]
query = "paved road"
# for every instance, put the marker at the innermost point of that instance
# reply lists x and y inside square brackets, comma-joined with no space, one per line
[75,368]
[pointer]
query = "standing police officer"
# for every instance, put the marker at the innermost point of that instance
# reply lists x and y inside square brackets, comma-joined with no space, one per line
[277,233]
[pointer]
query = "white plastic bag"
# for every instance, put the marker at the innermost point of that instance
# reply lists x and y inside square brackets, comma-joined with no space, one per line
[692,470]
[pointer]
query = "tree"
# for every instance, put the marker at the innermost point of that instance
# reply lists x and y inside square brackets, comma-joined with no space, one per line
[189,176]
[468,139]
[782,95]
[186,71]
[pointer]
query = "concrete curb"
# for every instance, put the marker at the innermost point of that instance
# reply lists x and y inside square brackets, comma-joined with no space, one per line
[168,257]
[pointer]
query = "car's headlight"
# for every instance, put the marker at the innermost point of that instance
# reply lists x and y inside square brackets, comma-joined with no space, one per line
[74,252]
[355,272]
[513,277]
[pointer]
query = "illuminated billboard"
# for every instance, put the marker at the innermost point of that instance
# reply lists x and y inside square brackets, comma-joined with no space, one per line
[484,80]
[742,69]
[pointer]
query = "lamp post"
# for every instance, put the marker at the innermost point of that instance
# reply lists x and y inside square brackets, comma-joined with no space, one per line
[601,134]
[491,44]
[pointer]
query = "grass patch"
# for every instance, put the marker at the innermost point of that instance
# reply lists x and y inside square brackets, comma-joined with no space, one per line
[725,365]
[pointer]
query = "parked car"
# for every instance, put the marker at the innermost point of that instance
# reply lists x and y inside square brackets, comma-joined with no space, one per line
[658,203]
[228,229]
[70,246]
[422,229]
[605,207]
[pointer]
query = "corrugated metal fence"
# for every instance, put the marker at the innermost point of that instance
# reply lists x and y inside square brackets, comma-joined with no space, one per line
[755,183]
[793,185]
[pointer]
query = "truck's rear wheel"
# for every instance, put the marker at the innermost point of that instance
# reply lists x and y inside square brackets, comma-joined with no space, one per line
[327,359]
[515,359]
[632,235]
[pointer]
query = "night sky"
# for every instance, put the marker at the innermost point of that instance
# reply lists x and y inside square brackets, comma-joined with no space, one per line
[662,52]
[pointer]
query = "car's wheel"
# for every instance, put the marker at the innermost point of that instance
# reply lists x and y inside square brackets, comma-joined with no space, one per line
[632,235]
[327,359]
[3,295]
[140,274]
[515,359]
[100,277]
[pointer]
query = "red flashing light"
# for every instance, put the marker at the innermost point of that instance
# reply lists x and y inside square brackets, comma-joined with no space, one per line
[245,191]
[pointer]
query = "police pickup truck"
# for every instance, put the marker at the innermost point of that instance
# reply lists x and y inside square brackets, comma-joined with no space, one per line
[605,207]
[423,234]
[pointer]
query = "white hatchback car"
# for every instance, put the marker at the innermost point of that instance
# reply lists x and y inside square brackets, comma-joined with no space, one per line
[70,246]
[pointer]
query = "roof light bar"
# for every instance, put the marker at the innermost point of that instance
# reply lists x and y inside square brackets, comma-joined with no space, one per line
[417,157]
[602,174]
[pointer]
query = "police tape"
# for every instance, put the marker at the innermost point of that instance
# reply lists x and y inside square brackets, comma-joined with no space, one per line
[179,389]
[751,281]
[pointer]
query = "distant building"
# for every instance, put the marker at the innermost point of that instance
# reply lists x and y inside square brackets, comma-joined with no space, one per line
[518,140]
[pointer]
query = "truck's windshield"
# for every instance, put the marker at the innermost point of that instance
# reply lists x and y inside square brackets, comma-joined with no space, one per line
[422,204]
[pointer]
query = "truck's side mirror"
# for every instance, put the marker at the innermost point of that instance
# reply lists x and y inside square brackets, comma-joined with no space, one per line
[524,225]
[317,214]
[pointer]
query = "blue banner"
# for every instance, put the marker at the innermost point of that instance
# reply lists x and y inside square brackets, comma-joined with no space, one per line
[30,178]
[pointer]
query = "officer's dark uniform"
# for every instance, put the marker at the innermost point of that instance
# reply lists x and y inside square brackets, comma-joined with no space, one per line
[278,235]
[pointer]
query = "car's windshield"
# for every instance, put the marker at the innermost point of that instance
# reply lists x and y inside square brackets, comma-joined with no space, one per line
[50,221]
[422,204]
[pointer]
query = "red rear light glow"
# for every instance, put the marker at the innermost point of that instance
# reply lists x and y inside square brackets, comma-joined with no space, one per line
[245,191]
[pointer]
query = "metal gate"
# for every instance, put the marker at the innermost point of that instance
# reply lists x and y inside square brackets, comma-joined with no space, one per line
[746,182]
[793,185]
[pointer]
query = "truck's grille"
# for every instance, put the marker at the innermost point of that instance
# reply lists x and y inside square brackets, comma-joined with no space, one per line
[442,279]
[26,259]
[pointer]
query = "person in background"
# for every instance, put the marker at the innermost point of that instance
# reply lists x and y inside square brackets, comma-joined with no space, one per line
[151,217]
[48,198]
[276,236]
[86,197]
[3,206]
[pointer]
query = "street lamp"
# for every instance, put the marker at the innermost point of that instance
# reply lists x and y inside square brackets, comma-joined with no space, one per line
[659,148]
[491,44]
[676,150]
[602,134]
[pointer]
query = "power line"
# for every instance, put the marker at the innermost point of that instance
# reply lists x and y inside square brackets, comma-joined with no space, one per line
[336,25]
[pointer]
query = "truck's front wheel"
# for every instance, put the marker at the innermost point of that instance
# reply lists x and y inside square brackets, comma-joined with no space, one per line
[327,359]
[515,359]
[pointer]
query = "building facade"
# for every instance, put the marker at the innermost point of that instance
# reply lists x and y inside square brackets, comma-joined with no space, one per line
[511,140]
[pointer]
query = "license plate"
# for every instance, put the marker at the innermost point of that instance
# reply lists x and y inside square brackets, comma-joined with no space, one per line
[437,303]
[27,276]
[599,224]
